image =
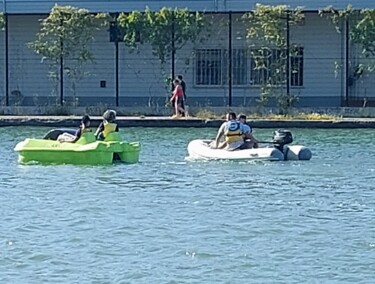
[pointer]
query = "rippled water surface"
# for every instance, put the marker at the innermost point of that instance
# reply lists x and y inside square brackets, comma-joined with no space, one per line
[169,220]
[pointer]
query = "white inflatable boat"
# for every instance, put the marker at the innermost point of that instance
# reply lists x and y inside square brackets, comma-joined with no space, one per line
[277,150]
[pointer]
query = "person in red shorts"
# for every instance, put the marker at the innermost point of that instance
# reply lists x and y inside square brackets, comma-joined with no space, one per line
[177,98]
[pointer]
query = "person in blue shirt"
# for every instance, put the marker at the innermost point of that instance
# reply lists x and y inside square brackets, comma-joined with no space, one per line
[249,140]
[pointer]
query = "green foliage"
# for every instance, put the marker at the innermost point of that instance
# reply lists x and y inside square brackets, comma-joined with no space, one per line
[268,23]
[336,16]
[132,25]
[285,101]
[2,21]
[267,27]
[361,33]
[159,28]
[207,114]
[168,86]
[265,94]
[67,33]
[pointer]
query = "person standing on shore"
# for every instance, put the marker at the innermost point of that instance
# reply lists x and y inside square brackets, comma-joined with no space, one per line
[183,85]
[177,98]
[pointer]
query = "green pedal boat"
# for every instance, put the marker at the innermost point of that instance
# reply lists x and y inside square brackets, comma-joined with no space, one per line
[86,151]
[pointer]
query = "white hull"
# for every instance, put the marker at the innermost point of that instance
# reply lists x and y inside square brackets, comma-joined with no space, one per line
[200,150]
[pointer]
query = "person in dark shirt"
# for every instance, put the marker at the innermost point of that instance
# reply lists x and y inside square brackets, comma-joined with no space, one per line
[83,128]
[250,140]
[183,85]
[178,98]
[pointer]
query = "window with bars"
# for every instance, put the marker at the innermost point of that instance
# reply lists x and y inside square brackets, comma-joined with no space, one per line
[268,66]
[209,67]
[296,67]
[212,67]
[239,67]
[255,67]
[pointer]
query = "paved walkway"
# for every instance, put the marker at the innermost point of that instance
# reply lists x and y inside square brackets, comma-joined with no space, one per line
[162,121]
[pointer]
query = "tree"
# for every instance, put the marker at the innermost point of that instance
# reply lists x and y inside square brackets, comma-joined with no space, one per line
[64,41]
[166,31]
[361,33]
[268,27]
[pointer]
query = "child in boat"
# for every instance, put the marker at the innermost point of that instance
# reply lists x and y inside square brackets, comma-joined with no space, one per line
[108,125]
[84,127]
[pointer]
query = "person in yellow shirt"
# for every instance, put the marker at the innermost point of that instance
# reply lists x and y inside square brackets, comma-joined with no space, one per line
[107,126]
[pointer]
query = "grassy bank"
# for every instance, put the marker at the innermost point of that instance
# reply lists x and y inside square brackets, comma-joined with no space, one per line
[207,114]
[308,114]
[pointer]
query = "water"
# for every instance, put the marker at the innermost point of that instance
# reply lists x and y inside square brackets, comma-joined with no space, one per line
[168,220]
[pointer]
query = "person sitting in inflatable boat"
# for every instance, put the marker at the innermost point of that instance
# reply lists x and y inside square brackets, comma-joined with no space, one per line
[233,131]
[83,128]
[107,126]
[249,139]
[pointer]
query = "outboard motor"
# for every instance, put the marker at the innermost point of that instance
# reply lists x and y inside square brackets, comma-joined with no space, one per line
[282,137]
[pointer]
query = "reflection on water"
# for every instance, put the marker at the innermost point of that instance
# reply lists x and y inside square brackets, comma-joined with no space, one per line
[169,220]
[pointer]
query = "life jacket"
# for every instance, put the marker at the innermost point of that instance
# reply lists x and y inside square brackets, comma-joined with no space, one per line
[233,133]
[108,128]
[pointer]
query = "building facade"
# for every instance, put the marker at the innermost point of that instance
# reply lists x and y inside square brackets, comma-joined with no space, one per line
[140,79]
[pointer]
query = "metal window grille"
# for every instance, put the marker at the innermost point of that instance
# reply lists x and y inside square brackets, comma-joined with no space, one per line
[239,67]
[268,67]
[296,67]
[208,67]
[212,67]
